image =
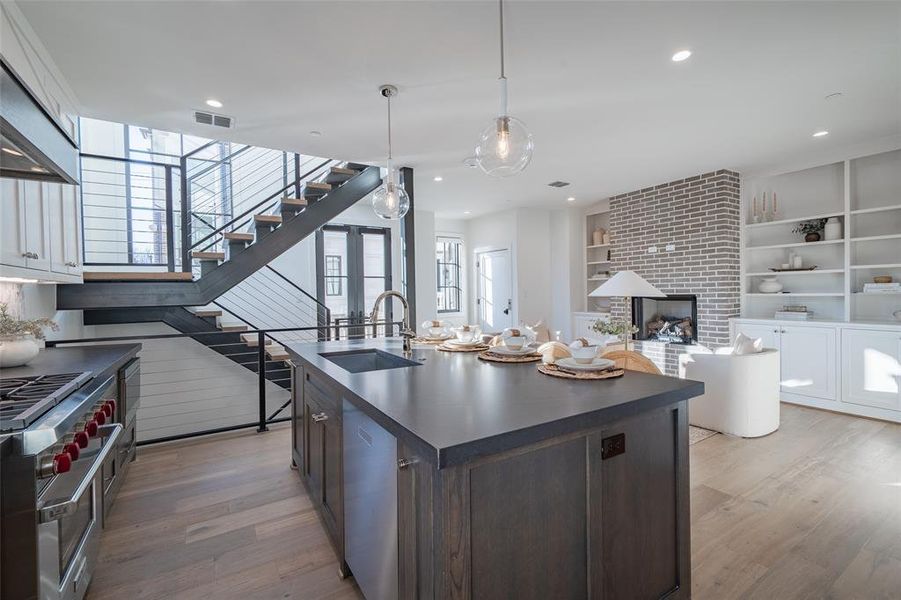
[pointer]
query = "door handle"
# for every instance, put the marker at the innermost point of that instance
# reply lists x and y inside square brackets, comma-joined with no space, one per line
[509,306]
[319,417]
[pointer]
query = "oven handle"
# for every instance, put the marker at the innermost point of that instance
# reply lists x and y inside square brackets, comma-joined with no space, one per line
[62,507]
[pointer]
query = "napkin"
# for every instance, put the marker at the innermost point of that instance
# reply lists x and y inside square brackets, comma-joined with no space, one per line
[552,351]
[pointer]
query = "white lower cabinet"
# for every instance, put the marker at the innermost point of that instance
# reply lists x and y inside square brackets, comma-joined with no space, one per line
[871,365]
[843,367]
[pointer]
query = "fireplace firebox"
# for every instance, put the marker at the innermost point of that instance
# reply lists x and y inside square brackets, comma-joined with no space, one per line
[672,319]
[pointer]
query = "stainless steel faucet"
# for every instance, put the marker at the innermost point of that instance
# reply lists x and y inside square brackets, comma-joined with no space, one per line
[406,332]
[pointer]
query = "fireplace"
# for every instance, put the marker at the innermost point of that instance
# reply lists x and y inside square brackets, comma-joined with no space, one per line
[672,319]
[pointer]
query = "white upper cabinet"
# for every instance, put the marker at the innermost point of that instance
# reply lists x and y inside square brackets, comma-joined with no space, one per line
[40,235]
[872,368]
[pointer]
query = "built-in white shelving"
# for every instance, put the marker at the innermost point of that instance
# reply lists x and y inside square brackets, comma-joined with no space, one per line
[863,195]
[596,257]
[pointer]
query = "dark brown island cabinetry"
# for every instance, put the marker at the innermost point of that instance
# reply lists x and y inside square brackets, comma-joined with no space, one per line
[593,504]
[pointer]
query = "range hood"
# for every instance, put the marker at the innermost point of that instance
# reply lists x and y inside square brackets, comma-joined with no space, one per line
[32,143]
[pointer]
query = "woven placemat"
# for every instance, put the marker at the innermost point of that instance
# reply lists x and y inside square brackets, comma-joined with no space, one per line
[553,371]
[523,358]
[422,340]
[443,348]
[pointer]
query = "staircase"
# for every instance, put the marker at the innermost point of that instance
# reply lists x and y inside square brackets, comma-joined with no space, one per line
[215,257]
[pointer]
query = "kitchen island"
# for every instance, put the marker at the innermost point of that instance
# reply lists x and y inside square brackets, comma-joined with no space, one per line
[489,480]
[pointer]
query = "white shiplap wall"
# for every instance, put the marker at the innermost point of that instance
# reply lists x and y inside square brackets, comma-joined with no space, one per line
[187,387]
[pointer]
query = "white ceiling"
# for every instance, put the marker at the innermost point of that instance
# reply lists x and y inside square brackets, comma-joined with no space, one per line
[610,112]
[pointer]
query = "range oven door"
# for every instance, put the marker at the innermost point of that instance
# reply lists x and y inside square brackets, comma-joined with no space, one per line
[69,516]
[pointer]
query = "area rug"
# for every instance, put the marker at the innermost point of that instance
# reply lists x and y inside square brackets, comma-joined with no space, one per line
[699,434]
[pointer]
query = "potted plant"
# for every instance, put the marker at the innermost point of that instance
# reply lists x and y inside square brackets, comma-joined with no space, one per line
[615,326]
[19,339]
[811,229]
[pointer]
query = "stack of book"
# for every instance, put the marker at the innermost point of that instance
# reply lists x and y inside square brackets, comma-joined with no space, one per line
[882,288]
[794,313]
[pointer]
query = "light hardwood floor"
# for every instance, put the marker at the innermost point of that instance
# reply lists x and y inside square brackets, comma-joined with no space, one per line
[812,511]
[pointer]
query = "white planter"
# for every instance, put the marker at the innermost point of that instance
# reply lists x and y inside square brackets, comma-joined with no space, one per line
[833,229]
[17,350]
[769,285]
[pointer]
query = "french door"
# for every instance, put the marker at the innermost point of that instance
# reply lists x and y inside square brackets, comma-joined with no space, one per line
[494,290]
[353,266]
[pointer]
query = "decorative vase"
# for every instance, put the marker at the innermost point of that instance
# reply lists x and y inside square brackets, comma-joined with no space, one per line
[597,237]
[17,350]
[833,230]
[606,238]
[769,285]
[812,237]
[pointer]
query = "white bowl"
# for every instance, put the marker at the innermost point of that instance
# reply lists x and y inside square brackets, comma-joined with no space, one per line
[515,342]
[468,333]
[584,354]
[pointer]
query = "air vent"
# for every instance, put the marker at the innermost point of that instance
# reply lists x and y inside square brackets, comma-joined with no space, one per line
[205,118]
[558,184]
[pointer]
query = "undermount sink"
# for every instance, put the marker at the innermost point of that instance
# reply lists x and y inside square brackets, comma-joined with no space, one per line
[361,361]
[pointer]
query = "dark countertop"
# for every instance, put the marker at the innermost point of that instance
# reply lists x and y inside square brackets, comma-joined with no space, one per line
[98,359]
[455,407]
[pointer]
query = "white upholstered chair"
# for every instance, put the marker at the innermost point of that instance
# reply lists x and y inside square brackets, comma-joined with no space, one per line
[741,392]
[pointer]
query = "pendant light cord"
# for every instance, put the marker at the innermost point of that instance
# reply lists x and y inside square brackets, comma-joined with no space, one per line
[500,4]
[389,131]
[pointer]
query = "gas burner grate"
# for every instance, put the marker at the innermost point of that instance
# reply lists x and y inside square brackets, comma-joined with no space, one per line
[24,399]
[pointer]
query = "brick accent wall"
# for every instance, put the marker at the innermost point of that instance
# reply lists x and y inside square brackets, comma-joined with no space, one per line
[700,216]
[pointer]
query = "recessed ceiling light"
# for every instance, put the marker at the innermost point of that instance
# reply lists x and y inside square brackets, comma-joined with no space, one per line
[467,212]
[821,133]
[571,199]
[681,55]
[439,178]
[11,151]
[315,133]
[214,103]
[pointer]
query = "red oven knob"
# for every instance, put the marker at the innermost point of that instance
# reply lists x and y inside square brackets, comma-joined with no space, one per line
[112,407]
[61,463]
[72,450]
[81,439]
[106,410]
[100,417]
[90,428]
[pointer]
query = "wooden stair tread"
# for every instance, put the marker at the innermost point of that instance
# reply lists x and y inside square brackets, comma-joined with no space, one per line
[238,236]
[277,353]
[208,313]
[253,341]
[294,201]
[267,218]
[318,185]
[233,327]
[136,276]
[208,255]
[344,171]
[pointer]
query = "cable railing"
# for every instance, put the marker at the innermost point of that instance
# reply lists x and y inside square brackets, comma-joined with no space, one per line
[192,384]
[128,212]
[268,299]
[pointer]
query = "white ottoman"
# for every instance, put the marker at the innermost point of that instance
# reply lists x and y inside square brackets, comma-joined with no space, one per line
[741,392]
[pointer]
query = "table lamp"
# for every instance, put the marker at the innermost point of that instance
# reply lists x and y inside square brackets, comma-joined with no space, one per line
[626,284]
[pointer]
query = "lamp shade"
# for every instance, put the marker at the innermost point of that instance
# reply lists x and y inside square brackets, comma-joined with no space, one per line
[626,283]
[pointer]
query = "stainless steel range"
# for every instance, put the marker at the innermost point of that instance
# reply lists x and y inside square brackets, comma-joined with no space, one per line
[65,442]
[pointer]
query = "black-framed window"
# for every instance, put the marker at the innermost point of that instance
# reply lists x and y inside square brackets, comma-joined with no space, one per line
[448,253]
[334,285]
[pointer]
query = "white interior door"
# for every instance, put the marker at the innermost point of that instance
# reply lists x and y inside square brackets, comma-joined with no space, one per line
[494,296]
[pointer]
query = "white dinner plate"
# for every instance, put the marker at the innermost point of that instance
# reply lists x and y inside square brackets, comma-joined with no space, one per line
[438,338]
[504,351]
[598,364]
[464,344]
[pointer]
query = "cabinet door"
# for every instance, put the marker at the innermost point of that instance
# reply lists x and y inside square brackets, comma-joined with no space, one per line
[297,412]
[332,503]
[56,216]
[769,333]
[72,228]
[314,446]
[808,361]
[871,368]
[37,226]
[12,223]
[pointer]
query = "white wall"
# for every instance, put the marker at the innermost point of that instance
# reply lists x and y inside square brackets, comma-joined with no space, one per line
[426,276]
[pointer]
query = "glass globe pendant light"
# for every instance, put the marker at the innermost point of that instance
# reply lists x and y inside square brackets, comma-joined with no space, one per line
[391,200]
[505,146]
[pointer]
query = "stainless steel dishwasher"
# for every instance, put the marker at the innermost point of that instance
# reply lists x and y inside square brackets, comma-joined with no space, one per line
[370,504]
